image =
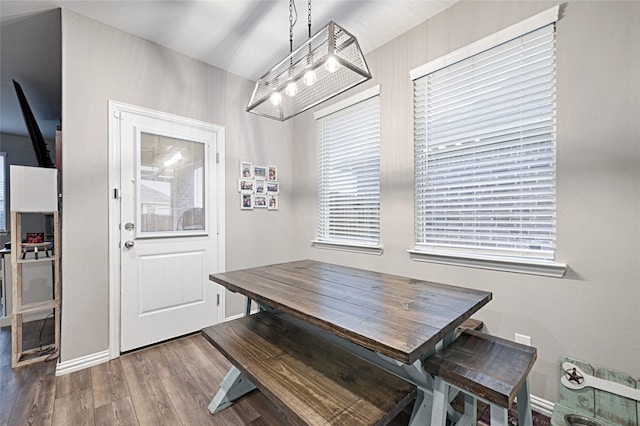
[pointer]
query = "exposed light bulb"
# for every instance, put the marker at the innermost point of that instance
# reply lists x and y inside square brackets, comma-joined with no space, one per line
[276,98]
[332,64]
[309,78]
[291,89]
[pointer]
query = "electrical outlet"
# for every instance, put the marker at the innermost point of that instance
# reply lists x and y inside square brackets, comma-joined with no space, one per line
[523,340]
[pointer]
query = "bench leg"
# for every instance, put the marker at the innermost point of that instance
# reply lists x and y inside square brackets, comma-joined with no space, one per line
[499,415]
[524,405]
[470,414]
[442,410]
[233,386]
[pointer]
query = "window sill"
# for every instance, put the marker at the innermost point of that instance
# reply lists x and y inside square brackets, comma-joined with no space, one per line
[533,267]
[352,247]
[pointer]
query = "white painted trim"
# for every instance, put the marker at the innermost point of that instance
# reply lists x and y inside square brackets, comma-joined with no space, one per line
[352,247]
[115,109]
[544,268]
[345,103]
[114,235]
[81,363]
[234,317]
[542,406]
[241,315]
[533,23]
[221,225]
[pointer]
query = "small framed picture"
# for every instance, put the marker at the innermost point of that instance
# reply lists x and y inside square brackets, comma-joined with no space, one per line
[272,173]
[260,187]
[260,201]
[245,186]
[246,201]
[246,171]
[272,201]
[259,172]
[273,188]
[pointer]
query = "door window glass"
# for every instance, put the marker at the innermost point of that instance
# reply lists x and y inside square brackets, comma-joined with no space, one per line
[171,192]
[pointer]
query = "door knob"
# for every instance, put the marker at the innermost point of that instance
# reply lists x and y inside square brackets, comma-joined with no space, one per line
[129,243]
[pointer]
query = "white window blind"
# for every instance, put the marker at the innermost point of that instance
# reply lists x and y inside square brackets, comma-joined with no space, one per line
[484,139]
[3,192]
[349,174]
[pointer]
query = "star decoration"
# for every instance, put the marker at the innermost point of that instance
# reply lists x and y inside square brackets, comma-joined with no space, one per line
[574,376]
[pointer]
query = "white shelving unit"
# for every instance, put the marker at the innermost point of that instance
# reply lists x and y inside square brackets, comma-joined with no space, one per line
[33,190]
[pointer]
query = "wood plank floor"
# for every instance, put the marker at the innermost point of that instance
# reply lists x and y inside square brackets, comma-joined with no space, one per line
[168,384]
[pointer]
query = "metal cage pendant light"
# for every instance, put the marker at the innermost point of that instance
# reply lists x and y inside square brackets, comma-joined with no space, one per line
[327,64]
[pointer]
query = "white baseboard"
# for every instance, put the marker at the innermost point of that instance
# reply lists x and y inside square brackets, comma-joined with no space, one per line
[253,311]
[81,363]
[233,317]
[542,406]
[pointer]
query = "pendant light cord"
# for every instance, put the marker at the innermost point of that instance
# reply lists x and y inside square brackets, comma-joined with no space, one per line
[292,22]
[309,18]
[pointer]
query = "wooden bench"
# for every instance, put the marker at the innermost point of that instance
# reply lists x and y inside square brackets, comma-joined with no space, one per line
[471,324]
[309,380]
[486,367]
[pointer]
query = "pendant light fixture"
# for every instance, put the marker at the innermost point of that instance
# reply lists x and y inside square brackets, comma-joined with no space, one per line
[327,64]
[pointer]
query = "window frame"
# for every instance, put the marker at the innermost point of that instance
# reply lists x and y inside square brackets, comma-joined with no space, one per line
[477,259]
[347,245]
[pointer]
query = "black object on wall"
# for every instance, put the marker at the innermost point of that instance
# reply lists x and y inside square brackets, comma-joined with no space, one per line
[39,145]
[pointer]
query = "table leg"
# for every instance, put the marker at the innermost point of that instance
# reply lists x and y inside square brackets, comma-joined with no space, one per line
[416,374]
[421,414]
[247,307]
[233,386]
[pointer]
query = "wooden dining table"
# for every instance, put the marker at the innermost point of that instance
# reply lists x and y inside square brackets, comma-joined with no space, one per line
[393,321]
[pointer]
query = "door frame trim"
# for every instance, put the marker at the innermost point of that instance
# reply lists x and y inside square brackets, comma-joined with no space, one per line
[115,110]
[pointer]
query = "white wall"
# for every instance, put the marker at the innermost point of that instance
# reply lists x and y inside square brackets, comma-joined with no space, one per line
[592,313]
[100,63]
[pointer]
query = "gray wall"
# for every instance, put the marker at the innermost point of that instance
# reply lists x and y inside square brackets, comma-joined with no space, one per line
[592,313]
[30,48]
[100,63]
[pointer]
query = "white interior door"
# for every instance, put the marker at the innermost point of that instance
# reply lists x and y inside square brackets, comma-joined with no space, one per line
[168,229]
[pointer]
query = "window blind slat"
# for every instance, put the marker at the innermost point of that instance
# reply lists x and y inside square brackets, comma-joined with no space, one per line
[484,151]
[349,174]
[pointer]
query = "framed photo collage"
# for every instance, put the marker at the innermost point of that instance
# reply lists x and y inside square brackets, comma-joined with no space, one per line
[258,187]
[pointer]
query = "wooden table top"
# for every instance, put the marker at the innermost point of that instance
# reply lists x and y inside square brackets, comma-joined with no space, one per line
[400,317]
